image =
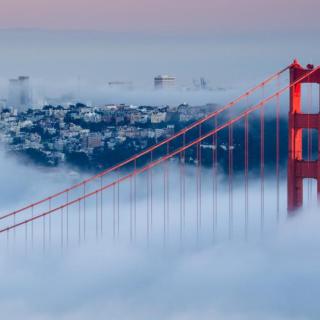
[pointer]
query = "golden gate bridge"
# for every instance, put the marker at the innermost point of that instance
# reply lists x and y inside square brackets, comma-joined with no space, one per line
[157,193]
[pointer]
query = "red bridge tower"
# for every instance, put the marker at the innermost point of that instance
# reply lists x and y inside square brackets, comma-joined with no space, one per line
[298,168]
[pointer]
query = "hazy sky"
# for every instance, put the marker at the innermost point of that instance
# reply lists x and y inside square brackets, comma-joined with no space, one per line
[80,44]
[166,15]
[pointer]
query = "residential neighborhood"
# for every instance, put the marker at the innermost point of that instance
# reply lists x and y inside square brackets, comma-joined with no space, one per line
[90,136]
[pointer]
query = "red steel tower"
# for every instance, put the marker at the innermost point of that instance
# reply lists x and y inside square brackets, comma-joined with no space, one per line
[298,168]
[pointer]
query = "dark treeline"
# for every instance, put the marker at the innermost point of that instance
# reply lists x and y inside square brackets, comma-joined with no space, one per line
[103,158]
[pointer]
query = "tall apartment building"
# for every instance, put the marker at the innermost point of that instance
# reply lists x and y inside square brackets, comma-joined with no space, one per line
[20,93]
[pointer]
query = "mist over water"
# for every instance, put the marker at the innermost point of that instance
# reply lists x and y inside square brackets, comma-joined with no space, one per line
[269,277]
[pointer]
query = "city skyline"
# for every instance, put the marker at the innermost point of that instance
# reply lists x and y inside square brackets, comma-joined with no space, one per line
[75,39]
[56,60]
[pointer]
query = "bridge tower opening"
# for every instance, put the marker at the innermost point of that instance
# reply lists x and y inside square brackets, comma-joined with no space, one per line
[298,168]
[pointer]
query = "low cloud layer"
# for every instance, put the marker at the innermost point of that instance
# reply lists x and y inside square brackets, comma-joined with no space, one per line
[272,278]
[276,279]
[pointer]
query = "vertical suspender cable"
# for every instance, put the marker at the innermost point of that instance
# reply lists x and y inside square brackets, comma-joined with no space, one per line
[200,179]
[118,206]
[97,215]
[230,158]
[164,205]
[84,212]
[184,185]
[43,234]
[197,187]
[246,174]
[151,192]
[213,189]
[262,166]
[67,221]
[148,206]
[180,198]
[168,190]
[114,211]
[32,227]
[182,190]
[215,178]
[79,222]
[131,211]
[50,226]
[135,201]
[61,227]
[101,206]
[278,150]
[14,230]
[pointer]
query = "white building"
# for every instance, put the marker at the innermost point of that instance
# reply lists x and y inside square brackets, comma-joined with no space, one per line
[158,117]
[164,82]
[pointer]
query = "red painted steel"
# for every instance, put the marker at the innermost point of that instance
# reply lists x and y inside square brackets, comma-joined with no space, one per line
[298,169]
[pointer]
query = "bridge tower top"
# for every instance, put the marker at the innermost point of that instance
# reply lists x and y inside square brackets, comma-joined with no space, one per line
[297,72]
